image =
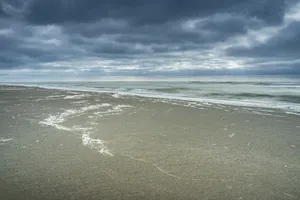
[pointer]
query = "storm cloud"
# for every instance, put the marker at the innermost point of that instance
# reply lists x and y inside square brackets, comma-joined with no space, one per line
[78,38]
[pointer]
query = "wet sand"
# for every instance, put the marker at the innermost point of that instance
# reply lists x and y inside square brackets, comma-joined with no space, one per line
[58,144]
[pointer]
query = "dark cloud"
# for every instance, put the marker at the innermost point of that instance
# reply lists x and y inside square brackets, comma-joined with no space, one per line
[159,38]
[231,24]
[271,11]
[147,12]
[138,37]
[2,13]
[116,49]
[285,44]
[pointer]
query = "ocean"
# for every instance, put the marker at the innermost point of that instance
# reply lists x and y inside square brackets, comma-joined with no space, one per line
[258,91]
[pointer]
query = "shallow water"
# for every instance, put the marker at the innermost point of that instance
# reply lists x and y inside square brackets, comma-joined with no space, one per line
[59,144]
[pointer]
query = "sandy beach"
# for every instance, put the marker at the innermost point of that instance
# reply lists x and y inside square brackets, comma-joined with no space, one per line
[57,144]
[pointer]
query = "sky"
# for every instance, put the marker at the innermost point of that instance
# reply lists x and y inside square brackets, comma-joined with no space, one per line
[94,39]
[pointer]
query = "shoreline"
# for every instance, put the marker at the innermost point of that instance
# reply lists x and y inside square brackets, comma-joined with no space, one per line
[195,102]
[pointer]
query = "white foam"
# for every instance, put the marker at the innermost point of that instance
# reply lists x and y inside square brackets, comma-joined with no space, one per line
[55,120]
[119,107]
[51,97]
[116,95]
[97,106]
[57,96]
[85,132]
[105,113]
[292,113]
[77,96]
[60,127]
[116,110]
[95,144]
[5,139]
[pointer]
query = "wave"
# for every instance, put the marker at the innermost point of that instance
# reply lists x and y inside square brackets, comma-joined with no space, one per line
[116,96]
[269,103]
[170,89]
[287,103]
[290,98]
[283,98]
[262,83]
[244,95]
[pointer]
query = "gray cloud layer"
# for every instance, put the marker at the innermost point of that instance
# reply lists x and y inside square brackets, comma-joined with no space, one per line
[148,12]
[143,37]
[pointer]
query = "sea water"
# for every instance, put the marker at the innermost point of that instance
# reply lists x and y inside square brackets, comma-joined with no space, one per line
[257,91]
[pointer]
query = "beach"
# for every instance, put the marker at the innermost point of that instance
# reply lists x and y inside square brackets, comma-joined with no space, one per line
[66,144]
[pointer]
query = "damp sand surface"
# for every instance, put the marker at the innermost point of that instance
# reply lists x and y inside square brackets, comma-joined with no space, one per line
[57,144]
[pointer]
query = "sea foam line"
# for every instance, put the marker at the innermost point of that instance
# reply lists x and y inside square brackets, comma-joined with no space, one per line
[77,96]
[95,144]
[54,120]
[87,140]
[5,139]
[178,177]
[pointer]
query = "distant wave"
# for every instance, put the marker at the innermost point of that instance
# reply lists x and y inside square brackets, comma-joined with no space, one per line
[290,98]
[245,83]
[245,95]
[170,89]
[284,98]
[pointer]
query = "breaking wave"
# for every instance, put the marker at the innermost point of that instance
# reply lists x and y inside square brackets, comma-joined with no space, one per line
[263,92]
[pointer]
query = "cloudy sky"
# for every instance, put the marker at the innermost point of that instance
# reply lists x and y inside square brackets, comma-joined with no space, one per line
[74,39]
